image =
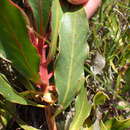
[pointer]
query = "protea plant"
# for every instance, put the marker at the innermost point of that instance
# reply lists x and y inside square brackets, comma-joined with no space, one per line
[43,42]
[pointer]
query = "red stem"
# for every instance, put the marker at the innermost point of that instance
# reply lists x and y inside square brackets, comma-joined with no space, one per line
[45,77]
[43,67]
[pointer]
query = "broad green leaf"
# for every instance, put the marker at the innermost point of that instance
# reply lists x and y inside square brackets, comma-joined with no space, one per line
[41,13]
[15,41]
[12,96]
[56,15]
[115,124]
[100,98]
[70,63]
[83,109]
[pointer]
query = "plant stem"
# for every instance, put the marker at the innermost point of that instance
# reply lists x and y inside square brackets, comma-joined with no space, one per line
[50,119]
[45,77]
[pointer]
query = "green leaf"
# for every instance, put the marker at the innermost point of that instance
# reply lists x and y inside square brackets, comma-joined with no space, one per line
[5,117]
[115,124]
[12,96]
[83,109]
[102,126]
[57,13]
[72,53]
[2,52]
[15,41]
[100,98]
[24,125]
[41,13]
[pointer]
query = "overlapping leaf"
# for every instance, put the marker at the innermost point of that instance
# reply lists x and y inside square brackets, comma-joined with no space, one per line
[41,11]
[12,96]
[56,16]
[15,41]
[70,64]
[100,98]
[83,109]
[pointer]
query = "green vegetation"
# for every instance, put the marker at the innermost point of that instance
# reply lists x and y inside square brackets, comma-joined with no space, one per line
[61,72]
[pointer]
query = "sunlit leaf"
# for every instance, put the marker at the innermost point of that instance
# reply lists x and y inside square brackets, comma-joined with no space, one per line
[115,124]
[100,98]
[83,109]
[70,63]
[102,126]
